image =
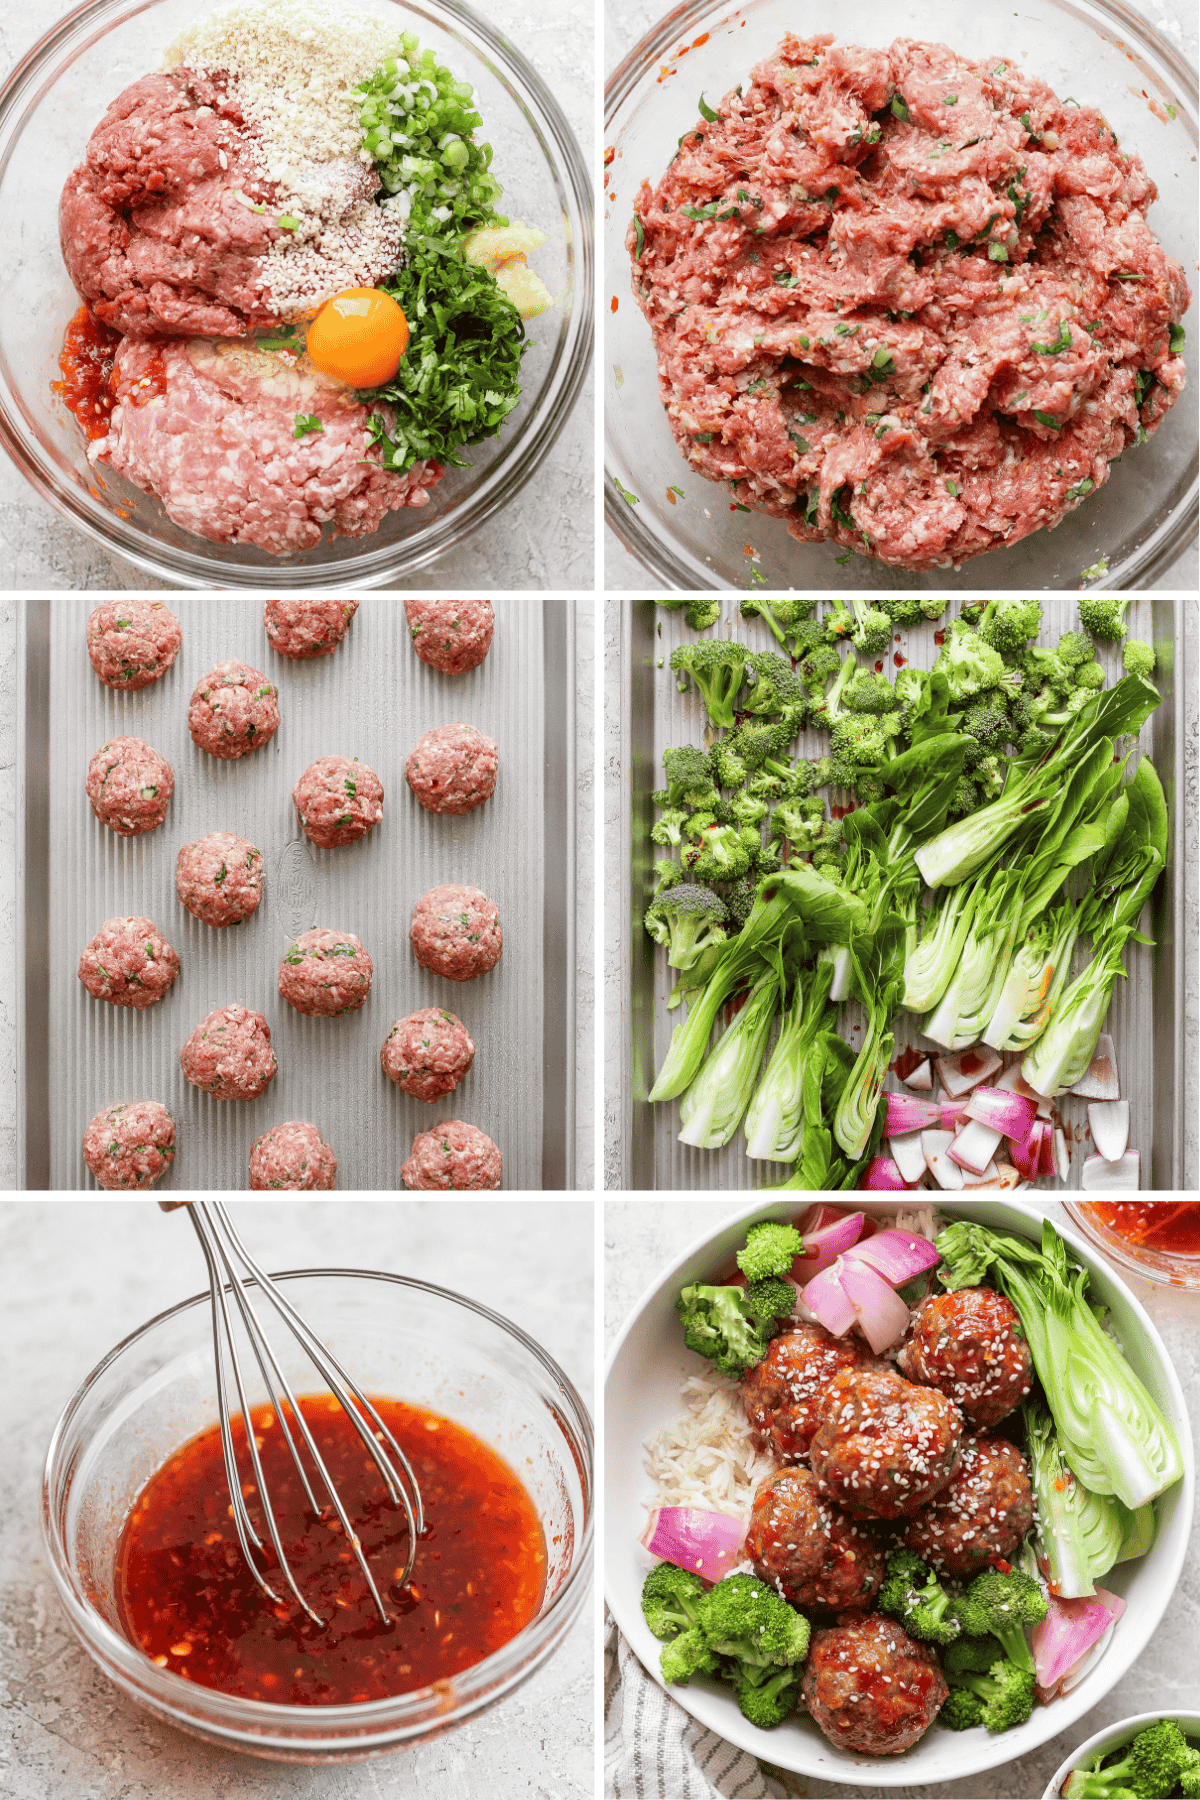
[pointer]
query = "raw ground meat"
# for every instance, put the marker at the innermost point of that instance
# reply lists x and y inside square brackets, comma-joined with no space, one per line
[870,1688]
[219,878]
[129,963]
[338,800]
[453,1155]
[455,931]
[130,1146]
[129,786]
[132,642]
[906,302]
[326,973]
[450,635]
[428,1053]
[229,1054]
[452,769]
[304,628]
[293,1156]
[980,1516]
[233,710]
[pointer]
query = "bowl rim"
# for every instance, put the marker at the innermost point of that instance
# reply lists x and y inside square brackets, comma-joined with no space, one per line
[394,1712]
[883,1773]
[1111,1737]
[654,554]
[519,456]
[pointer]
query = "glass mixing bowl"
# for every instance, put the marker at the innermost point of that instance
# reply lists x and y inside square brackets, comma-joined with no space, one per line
[397,1337]
[48,108]
[1098,50]
[1165,1267]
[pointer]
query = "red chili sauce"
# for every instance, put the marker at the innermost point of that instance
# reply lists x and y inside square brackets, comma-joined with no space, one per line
[1154,1224]
[86,361]
[187,1599]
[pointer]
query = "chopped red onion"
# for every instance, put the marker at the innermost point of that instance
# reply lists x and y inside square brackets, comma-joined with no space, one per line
[707,1543]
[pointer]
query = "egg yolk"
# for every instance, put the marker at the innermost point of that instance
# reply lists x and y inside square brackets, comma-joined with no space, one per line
[358,337]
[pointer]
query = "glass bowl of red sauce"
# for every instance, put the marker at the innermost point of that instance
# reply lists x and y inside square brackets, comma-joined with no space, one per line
[1157,1239]
[135,1521]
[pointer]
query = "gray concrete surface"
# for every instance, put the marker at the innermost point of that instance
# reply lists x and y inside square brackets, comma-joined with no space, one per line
[75,1277]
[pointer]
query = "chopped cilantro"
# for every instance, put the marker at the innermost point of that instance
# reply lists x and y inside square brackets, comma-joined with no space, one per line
[1095,571]
[952,489]
[306,422]
[784,278]
[640,229]
[1178,335]
[706,111]
[759,580]
[1047,419]
[624,492]
[900,108]
[1081,488]
[997,253]
[1061,342]
[288,222]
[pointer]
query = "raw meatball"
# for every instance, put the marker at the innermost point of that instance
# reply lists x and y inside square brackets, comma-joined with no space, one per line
[453,1155]
[782,1394]
[129,786]
[128,962]
[219,878]
[884,1447]
[450,635]
[428,1053]
[455,932]
[305,628]
[870,1688]
[981,1515]
[452,769]
[130,1146]
[326,973]
[132,642]
[971,1346]
[229,1054]
[809,1549]
[293,1156]
[338,800]
[233,710]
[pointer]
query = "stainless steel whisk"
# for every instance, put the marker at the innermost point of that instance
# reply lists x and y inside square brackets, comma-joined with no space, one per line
[222,1248]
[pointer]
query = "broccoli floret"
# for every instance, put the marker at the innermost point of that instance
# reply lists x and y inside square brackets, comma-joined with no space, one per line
[961,1710]
[671,1599]
[1003,1605]
[914,1596]
[973,611]
[819,668]
[666,873]
[873,632]
[933,609]
[669,829]
[687,1655]
[805,637]
[859,739]
[870,693]
[1090,677]
[988,776]
[717,1325]
[1103,617]
[1008,624]
[767,747]
[720,855]
[782,617]
[769,1298]
[1005,1691]
[689,777]
[839,624]
[844,772]
[1138,658]
[969,665]
[740,901]
[718,668]
[795,821]
[766,1699]
[987,722]
[766,786]
[1074,649]
[813,774]
[1034,742]
[729,771]
[1050,671]
[768,861]
[965,799]
[769,1249]
[1077,700]
[1189,1779]
[904,610]
[747,809]
[776,686]
[972,1656]
[700,614]
[687,919]
[743,1618]
[1149,1767]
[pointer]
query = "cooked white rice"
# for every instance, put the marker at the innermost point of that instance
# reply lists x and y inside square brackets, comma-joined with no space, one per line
[707,1458]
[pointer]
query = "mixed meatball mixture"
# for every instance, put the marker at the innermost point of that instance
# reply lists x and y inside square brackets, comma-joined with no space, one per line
[132,642]
[326,973]
[229,1054]
[453,1155]
[452,769]
[338,800]
[302,629]
[128,963]
[129,786]
[233,710]
[219,878]
[293,1156]
[455,931]
[130,1146]
[428,1053]
[450,635]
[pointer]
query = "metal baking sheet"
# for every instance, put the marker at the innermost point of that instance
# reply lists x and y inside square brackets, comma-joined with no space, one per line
[372,699]
[1146,1015]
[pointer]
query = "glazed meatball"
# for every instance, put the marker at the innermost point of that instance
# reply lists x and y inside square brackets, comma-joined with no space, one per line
[452,769]
[132,642]
[129,786]
[450,635]
[229,1054]
[293,1156]
[305,628]
[428,1053]
[130,1146]
[782,1394]
[455,931]
[884,1447]
[219,878]
[980,1516]
[326,973]
[809,1549]
[233,710]
[129,963]
[338,800]
[971,1346]
[453,1155]
[870,1688]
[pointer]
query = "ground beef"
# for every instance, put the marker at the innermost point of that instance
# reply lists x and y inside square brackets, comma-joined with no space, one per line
[293,1156]
[870,1688]
[132,642]
[886,294]
[453,1155]
[233,710]
[783,1394]
[219,878]
[229,1054]
[452,769]
[970,1345]
[450,635]
[455,931]
[326,973]
[338,800]
[428,1053]
[884,1447]
[129,786]
[305,628]
[128,962]
[980,1516]
[809,1549]
[130,1146]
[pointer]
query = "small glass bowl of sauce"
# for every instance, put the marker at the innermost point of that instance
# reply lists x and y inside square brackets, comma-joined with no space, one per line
[1156,1239]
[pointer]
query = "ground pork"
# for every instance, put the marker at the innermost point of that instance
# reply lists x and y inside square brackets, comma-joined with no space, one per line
[132,643]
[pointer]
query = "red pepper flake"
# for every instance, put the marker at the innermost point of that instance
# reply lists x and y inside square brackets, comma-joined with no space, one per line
[749,550]
[609,154]
[613,304]
[702,39]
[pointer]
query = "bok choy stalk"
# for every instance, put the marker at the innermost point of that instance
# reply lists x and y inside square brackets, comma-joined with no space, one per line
[1036,977]
[878,964]
[974,985]
[711,1109]
[932,960]
[789,1093]
[1081,1533]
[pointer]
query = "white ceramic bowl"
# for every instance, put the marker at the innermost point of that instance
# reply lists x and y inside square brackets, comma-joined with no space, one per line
[645,1372]
[1112,1738]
